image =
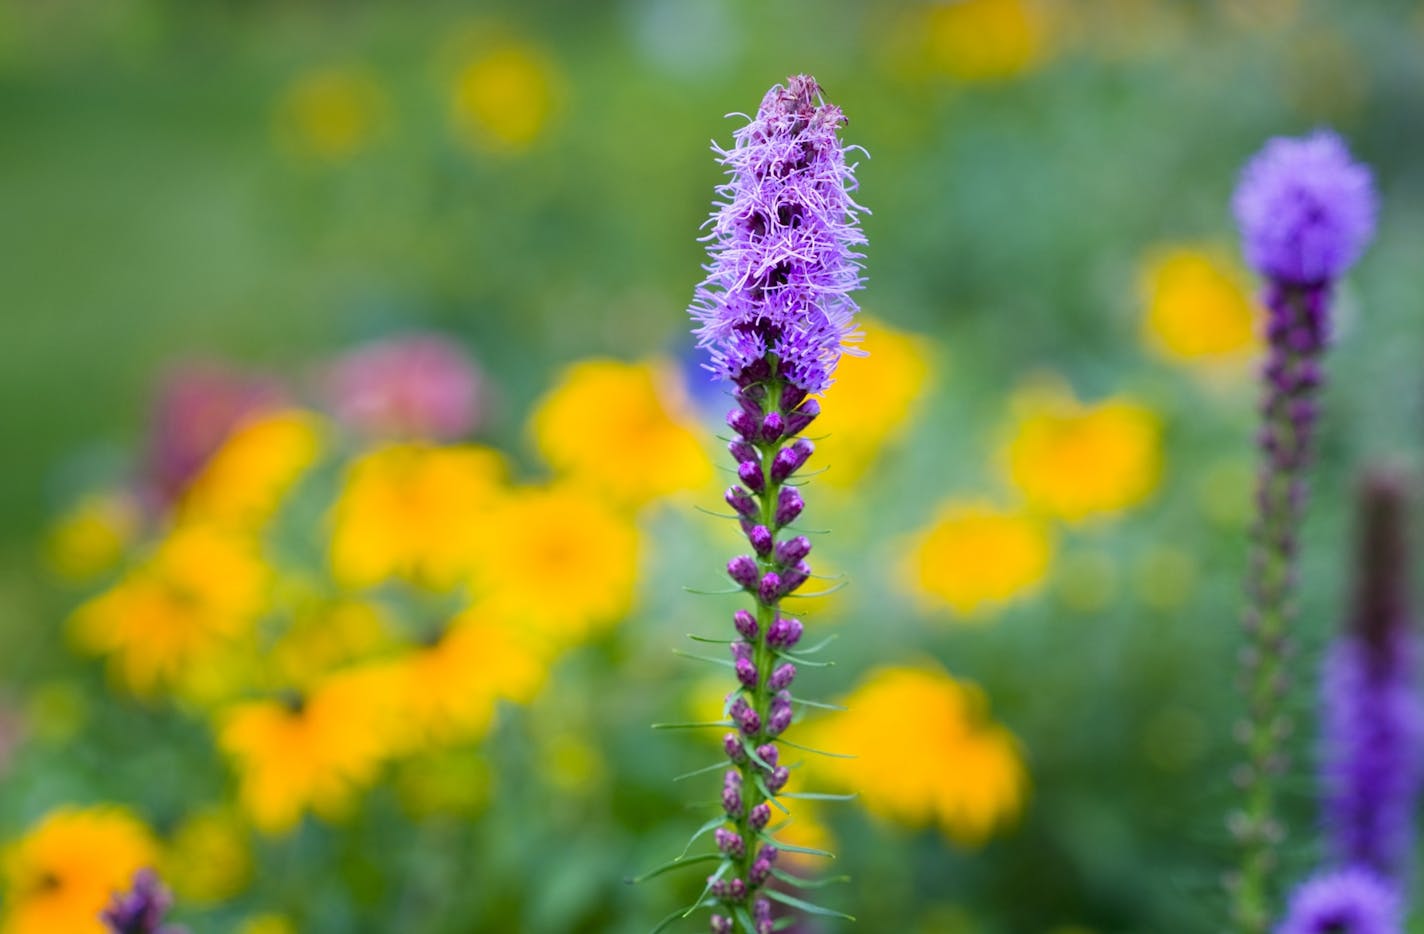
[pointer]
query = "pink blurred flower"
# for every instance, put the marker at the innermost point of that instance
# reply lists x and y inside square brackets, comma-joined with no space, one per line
[418,386]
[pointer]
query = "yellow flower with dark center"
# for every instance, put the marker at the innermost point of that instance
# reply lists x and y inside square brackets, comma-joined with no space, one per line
[563,562]
[975,557]
[1077,462]
[927,752]
[415,512]
[244,482]
[623,429]
[201,590]
[330,114]
[987,40]
[313,752]
[91,537]
[209,859]
[1197,307]
[504,98]
[871,404]
[62,873]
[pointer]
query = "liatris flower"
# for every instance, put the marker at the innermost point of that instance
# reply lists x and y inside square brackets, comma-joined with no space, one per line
[774,311]
[1306,211]
[1352,901]
[1373,718]
[140,910]
[422,387]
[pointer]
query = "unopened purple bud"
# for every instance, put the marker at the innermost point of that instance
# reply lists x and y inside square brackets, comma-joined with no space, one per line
[778,779]
[788,506]
[790,459]
[798,420]
[747,673]
[745,717]
[732,801]
[768,854]
[794,576]
[760,537]
[760,816]
[750,474]
[746,624]
[732,746]
[779,720]
[793,550]
[729,842]
[743,570]
[772,427]
[769,589]
[721,924]
[740,501]
[791,397]
[769,754]
[784,633]
[736,889]
[742,423]
[761,911]
[741,649]
[782,677]
[760,872]
[741,451]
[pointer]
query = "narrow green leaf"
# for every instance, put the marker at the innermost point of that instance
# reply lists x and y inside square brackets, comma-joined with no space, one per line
[674,864]
[696,638]
[766,793]
[690,726]
[818,646]
[801,883]
[717,821]
[721,871]
[716,766]
[805,906]
[819,593]
[818,796]
[791,848]
[752,754]
[819,752]
[745,920]
[712,593]
[725,663]
[805,662]
[819,705]
[718,515]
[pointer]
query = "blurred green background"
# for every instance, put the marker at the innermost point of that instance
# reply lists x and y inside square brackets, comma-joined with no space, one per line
[269,183]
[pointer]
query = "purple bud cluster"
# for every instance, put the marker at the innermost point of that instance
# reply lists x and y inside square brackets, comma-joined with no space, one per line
[141,909]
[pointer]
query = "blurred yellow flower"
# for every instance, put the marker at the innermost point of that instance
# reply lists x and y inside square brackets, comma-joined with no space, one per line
[311,752]
[330,114]
[974,557]
[454,781]
[416,512]
[623,429]
[872,402]
[208,858]
[987,40]
[244,482]
[927,752]
[201,589]
[268,923]
[61,874]
[92,536]
[1077,462]
[1197,306]
[326,637]
[503,98]
[563,562]
[448,691]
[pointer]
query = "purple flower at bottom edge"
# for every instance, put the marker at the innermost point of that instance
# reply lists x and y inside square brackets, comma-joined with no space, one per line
[140,910]
[1351,901]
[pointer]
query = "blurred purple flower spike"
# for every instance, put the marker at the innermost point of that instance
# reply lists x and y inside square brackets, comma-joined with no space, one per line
[421,386]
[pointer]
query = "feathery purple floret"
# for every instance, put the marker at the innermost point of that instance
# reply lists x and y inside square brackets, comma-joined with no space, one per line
[1373,718]
[1353,901]
[783,244]
[1306,209]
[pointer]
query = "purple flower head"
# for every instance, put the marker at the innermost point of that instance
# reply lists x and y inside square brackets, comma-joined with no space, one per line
[421,386]
[1306,209]
[1353,901]
[782,245]
[1373,720]
[140,910]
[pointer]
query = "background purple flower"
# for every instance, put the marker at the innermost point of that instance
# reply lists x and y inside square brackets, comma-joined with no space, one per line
[418,386]
[1353,901]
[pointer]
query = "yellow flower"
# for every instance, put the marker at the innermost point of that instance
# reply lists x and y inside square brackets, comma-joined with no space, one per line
[563,562]
[871,403]
[1197,306]
[208,859]
[621,428]
[416,512]
[448,691]
[330,114]
[91,537]
[244,482]
[503,98]
[315,752]
[200,590]
[987,40]
[927,752]
[326,637]
[1077,462]
[974,557]
[268,923]
[62,873]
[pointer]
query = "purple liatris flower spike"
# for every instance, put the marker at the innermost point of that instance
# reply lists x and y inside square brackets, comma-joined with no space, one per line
[1306,212]
[1373,721]
[775,313]
[1351,901]
[141,909]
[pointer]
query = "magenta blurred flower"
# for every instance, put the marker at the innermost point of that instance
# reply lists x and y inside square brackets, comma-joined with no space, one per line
[418,386]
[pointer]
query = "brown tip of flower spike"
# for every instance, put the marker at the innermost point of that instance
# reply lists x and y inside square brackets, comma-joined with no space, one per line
[1381,602]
